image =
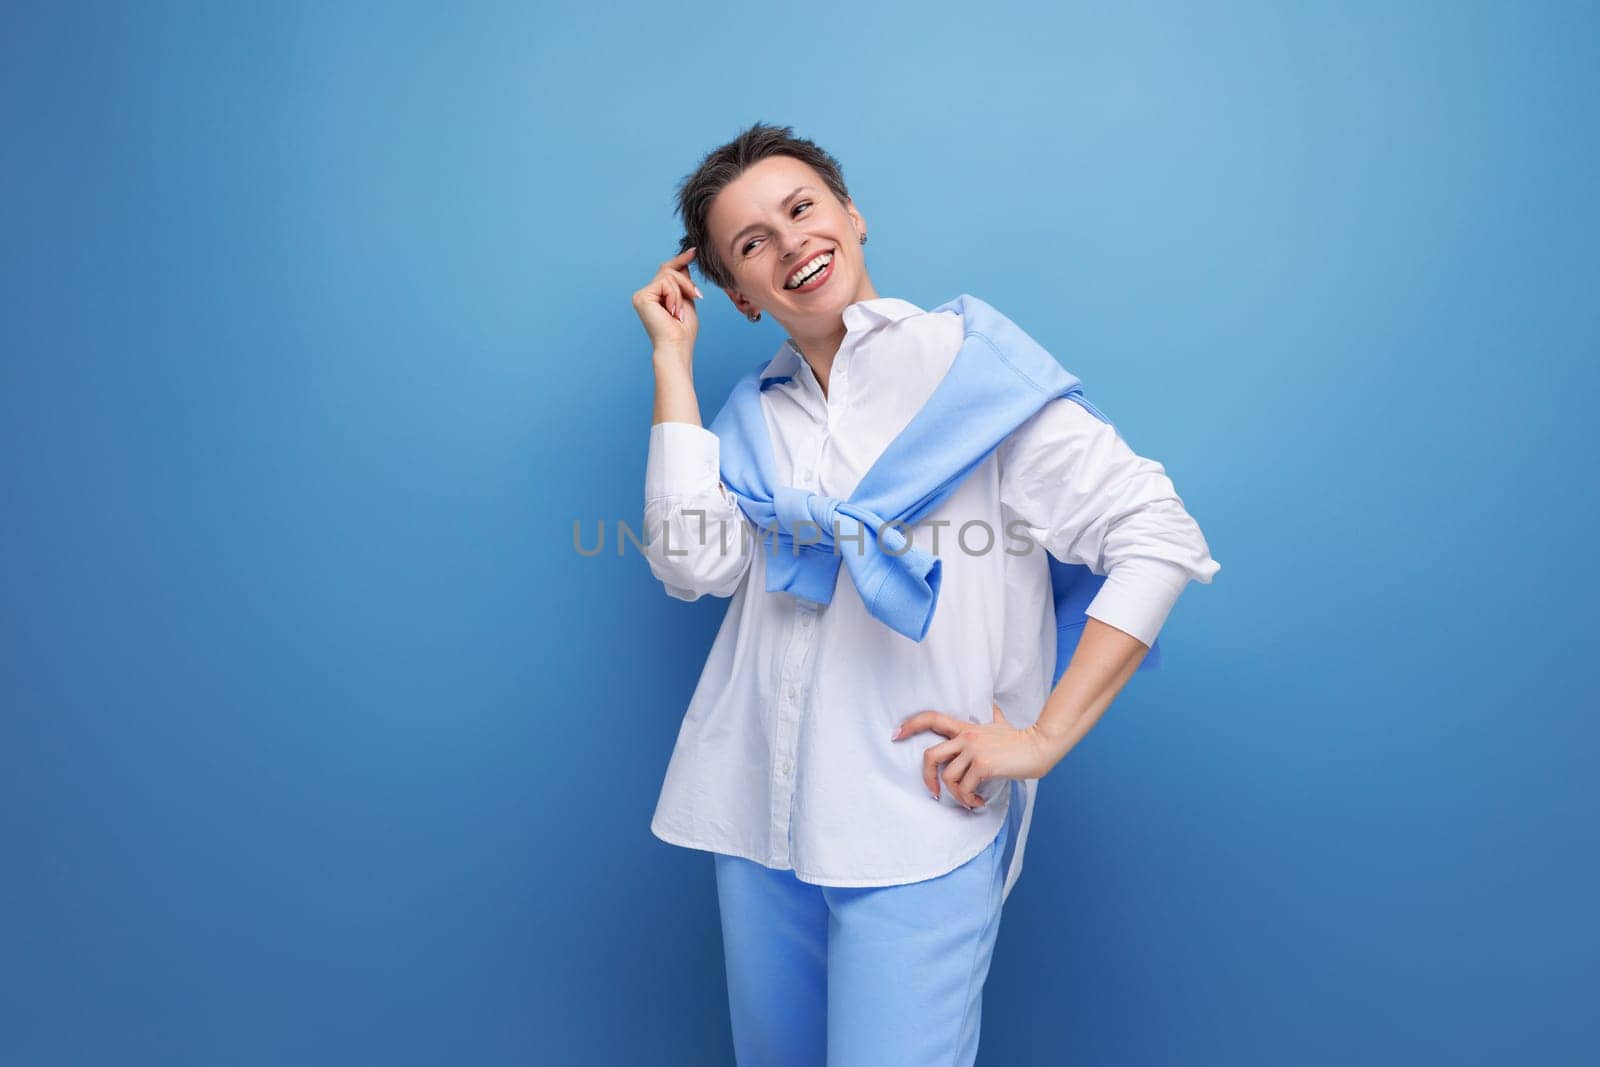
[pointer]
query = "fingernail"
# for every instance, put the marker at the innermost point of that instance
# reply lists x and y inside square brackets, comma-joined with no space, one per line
[896,735]
[698,293]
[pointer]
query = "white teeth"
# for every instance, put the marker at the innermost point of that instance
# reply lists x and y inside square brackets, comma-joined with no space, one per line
[805,273]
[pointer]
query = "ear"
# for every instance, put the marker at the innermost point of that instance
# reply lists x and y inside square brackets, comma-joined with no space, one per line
[855,216]
[743,306]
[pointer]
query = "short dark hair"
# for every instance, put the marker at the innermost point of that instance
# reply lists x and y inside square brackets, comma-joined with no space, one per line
[721,166]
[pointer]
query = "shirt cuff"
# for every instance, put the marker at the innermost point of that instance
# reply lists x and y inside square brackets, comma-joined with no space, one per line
[1138,595]
[684,459]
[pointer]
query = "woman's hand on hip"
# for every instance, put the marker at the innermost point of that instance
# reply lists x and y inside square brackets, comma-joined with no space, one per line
[977,752]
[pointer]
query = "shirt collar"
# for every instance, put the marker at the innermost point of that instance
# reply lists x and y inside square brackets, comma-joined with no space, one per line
[862,317]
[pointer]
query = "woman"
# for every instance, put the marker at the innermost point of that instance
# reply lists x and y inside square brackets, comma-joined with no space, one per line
[858,918]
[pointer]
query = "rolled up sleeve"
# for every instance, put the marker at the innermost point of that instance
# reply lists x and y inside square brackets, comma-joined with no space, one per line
[695,536]
[1087,498]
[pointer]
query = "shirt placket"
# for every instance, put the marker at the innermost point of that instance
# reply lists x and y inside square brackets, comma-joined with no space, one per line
[793,682]
[792,699]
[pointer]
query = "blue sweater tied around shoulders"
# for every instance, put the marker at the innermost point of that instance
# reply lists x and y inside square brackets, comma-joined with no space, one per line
[1000,378]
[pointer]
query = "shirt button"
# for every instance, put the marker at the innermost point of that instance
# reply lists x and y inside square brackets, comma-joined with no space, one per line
[787,767]
[805,620]
[791,692]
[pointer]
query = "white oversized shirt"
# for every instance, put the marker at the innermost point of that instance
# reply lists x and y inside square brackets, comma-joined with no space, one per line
[785,754]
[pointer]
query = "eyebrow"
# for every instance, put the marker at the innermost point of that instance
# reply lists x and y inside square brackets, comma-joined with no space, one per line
[733,243]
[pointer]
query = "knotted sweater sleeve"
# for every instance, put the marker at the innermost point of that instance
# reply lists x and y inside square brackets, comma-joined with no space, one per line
[1086,497]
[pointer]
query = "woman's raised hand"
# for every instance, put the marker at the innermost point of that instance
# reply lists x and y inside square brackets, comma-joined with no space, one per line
[666,306]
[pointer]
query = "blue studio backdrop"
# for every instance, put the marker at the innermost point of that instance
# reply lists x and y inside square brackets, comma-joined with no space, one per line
[320,742]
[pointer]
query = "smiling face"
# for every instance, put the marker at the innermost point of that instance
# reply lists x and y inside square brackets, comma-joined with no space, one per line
[773,222]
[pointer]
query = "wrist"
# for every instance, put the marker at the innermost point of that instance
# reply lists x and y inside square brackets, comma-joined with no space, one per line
[675,395]
[672,357]
[1055,744]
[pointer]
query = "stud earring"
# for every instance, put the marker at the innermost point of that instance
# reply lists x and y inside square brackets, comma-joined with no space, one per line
[755,317]
[863,238]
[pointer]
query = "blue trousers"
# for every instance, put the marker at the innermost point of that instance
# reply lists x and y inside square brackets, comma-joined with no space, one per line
[882,976]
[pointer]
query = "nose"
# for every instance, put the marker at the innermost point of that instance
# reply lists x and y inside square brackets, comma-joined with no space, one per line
[792,244]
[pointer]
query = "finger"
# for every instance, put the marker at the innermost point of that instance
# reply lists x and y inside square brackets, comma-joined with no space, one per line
[931,758]
[675,299]
[953,772]
[685,287]
[680,263]
[679,287]
[908,727]
[663,293]
[682,275]
[971,781]
[927,720]
[935,755]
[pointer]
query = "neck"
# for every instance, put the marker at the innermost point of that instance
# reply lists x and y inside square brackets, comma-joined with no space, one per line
[818,349]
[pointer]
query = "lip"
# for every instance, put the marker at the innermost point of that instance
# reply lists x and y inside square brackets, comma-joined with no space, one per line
[822,277]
